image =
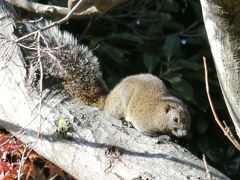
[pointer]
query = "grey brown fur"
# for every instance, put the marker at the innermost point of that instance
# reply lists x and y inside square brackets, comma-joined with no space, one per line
[141,99]
[144,101]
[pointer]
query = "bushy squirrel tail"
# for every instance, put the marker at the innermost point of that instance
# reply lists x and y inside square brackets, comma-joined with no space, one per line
[74,65]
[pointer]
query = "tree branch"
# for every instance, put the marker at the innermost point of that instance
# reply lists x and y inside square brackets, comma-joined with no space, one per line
[95,146]
[56,23]
[221,20]
[86,10]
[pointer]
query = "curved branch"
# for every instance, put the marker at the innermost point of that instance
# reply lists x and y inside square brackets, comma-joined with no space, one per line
[86,10]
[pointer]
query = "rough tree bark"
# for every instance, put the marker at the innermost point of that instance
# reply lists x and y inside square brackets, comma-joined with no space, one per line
[88,8]
[100,147]
[222,22]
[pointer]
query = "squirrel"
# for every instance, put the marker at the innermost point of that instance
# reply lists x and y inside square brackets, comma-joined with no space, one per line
[142,100]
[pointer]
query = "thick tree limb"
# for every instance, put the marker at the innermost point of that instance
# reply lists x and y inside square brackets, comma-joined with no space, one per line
[222,25]
[89,8]
[100,148]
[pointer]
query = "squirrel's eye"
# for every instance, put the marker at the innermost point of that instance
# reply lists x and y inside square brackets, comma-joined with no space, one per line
[175,119]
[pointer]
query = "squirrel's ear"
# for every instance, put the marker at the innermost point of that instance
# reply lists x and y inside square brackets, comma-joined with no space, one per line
[167,108]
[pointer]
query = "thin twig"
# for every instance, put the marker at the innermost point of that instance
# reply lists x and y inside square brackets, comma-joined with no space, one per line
[56,23]
[48,51]
[209,176]
[30,21]
[225,130]
[51,10]
[23,159]
[26,153]
[40,82]
[40,85]
[85,31]
[27,47]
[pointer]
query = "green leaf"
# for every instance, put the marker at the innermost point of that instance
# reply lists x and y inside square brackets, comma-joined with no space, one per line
[127,37]
[201,123]
[185,64]
[214,154]
[114,53]
[150,62]
[173,26]
[184,88]
[171,46]
[174,79]
[231,151]
[196,8]
[164,17]
[203,143]
[232,166]
[171,6]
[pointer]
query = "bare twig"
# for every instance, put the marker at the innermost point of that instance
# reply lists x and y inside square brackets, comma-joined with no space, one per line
[49,9]
[30,21]
[209,176]
[225,129]
[23,159]
[40,82]
[89,8]
[28,150]
[85,30]
[56,23]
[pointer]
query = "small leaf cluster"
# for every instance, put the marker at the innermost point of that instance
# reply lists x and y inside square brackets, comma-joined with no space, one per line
[16,161]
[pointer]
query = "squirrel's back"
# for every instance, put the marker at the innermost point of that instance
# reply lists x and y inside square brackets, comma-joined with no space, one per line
[139,89]
[146,82]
